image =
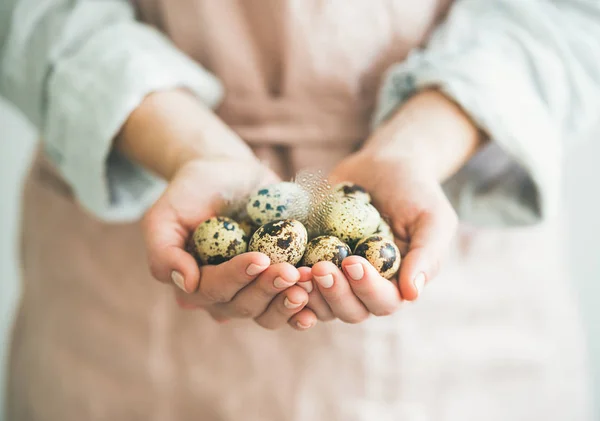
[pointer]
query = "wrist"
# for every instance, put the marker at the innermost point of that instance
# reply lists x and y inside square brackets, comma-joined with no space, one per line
[429,132]
[171,128]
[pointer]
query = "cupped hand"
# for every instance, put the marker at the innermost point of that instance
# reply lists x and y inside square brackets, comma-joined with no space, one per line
[246,286]
[424,224]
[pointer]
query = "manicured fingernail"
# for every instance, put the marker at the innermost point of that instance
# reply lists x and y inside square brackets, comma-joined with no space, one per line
[279,282]
[178,280]
[356,271]
[419,282]
[325,281]
[254,269]
[289,304]
[303,326]
[222,322]
[308,286]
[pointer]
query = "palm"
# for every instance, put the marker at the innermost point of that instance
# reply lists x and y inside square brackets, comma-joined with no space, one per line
[204,188]
[421,217]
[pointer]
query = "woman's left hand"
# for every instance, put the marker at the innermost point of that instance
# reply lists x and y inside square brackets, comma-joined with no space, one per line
[402,166]
[424,224]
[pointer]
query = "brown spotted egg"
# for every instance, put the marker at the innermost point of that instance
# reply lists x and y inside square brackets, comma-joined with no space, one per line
[381,253]
[325,248]
[218,239]
[348,189]
[350,219]
[278,201]
[282,241]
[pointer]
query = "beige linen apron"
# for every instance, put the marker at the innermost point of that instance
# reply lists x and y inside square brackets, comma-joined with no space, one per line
[495,337]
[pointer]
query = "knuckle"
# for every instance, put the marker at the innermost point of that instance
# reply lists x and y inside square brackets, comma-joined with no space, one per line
[265,325]
[244,311]
[265,293]
[366,294]
[334,298]
[354,318]
[213,295]
[326,317]
[238,282]
[155,271]
[386,310]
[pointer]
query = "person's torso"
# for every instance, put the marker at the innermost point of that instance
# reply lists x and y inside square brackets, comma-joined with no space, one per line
[301,76]
[97,338]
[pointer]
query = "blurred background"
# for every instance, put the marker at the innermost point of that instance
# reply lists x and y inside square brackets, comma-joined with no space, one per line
[582,199]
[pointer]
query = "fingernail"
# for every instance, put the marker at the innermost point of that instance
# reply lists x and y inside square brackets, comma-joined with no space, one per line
[325,281]
[356,271]
[178,280]
[254,269]
[279,282]
[289,304]
[303,326]
[419,282]
[308,286]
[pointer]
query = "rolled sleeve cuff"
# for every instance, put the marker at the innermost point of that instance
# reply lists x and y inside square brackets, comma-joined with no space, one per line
[515,179]
[90,96]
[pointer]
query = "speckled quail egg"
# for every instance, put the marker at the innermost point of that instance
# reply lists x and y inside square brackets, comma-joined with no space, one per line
[350,219]
[278,201]
[384,230]
[348,189]
[325,248]
[218,239]
[282,241]
[381,253]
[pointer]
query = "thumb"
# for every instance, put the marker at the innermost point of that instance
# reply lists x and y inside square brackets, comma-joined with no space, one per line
[430,240]
[165,241]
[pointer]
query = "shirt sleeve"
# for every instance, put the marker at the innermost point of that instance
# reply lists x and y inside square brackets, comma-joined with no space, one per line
[528,74]
[77,69]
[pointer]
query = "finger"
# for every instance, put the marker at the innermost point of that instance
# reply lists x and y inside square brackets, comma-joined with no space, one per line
[217,316]
[220,283]
[283,307]
[316,302]
[336,291]
[184,305]
[254,299]
[303,320]
[165,241]
[306,280]
[430,240]
[380,296]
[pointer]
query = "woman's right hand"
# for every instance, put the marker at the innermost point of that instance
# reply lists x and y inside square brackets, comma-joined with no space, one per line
[247,286]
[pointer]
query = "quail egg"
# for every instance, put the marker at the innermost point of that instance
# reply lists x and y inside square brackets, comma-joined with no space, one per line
[279,201]
[381,253]
[282,241]
[325,248]
[218,239]
[384,230]
[348,189]
[350,219]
